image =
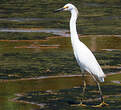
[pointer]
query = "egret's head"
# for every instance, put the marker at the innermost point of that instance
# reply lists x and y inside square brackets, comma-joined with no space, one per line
[67,7]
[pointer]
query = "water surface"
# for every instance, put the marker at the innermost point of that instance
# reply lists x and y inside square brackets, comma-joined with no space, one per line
[29,67]
[38,70]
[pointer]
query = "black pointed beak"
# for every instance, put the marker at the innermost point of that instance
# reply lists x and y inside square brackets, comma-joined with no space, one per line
[58,10]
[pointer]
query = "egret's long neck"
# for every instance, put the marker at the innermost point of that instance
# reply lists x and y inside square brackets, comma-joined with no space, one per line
[73,31]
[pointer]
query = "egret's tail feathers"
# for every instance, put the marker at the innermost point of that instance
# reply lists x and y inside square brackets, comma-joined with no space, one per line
[101,79]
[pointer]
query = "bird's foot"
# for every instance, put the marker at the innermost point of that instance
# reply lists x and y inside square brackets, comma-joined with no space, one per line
[83,105]
[102,104]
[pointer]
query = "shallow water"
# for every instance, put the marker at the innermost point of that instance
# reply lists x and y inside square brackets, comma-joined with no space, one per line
[29,67]
[37,68]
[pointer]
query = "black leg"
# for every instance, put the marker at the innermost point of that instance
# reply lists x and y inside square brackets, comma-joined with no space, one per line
[83,92]
[101,95]
[84,88]
[98,84]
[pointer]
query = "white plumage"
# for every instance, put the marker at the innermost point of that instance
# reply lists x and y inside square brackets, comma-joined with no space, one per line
[83,55]
[87,60]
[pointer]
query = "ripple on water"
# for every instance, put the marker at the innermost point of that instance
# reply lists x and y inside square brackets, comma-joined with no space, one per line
[27,19]
[60,32]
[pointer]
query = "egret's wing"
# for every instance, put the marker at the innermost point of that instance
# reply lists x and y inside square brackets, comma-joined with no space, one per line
[87,60]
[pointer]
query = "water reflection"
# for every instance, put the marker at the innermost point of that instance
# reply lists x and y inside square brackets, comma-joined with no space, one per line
[60,32]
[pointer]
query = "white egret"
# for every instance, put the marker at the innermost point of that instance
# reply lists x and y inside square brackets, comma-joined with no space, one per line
[83,55]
